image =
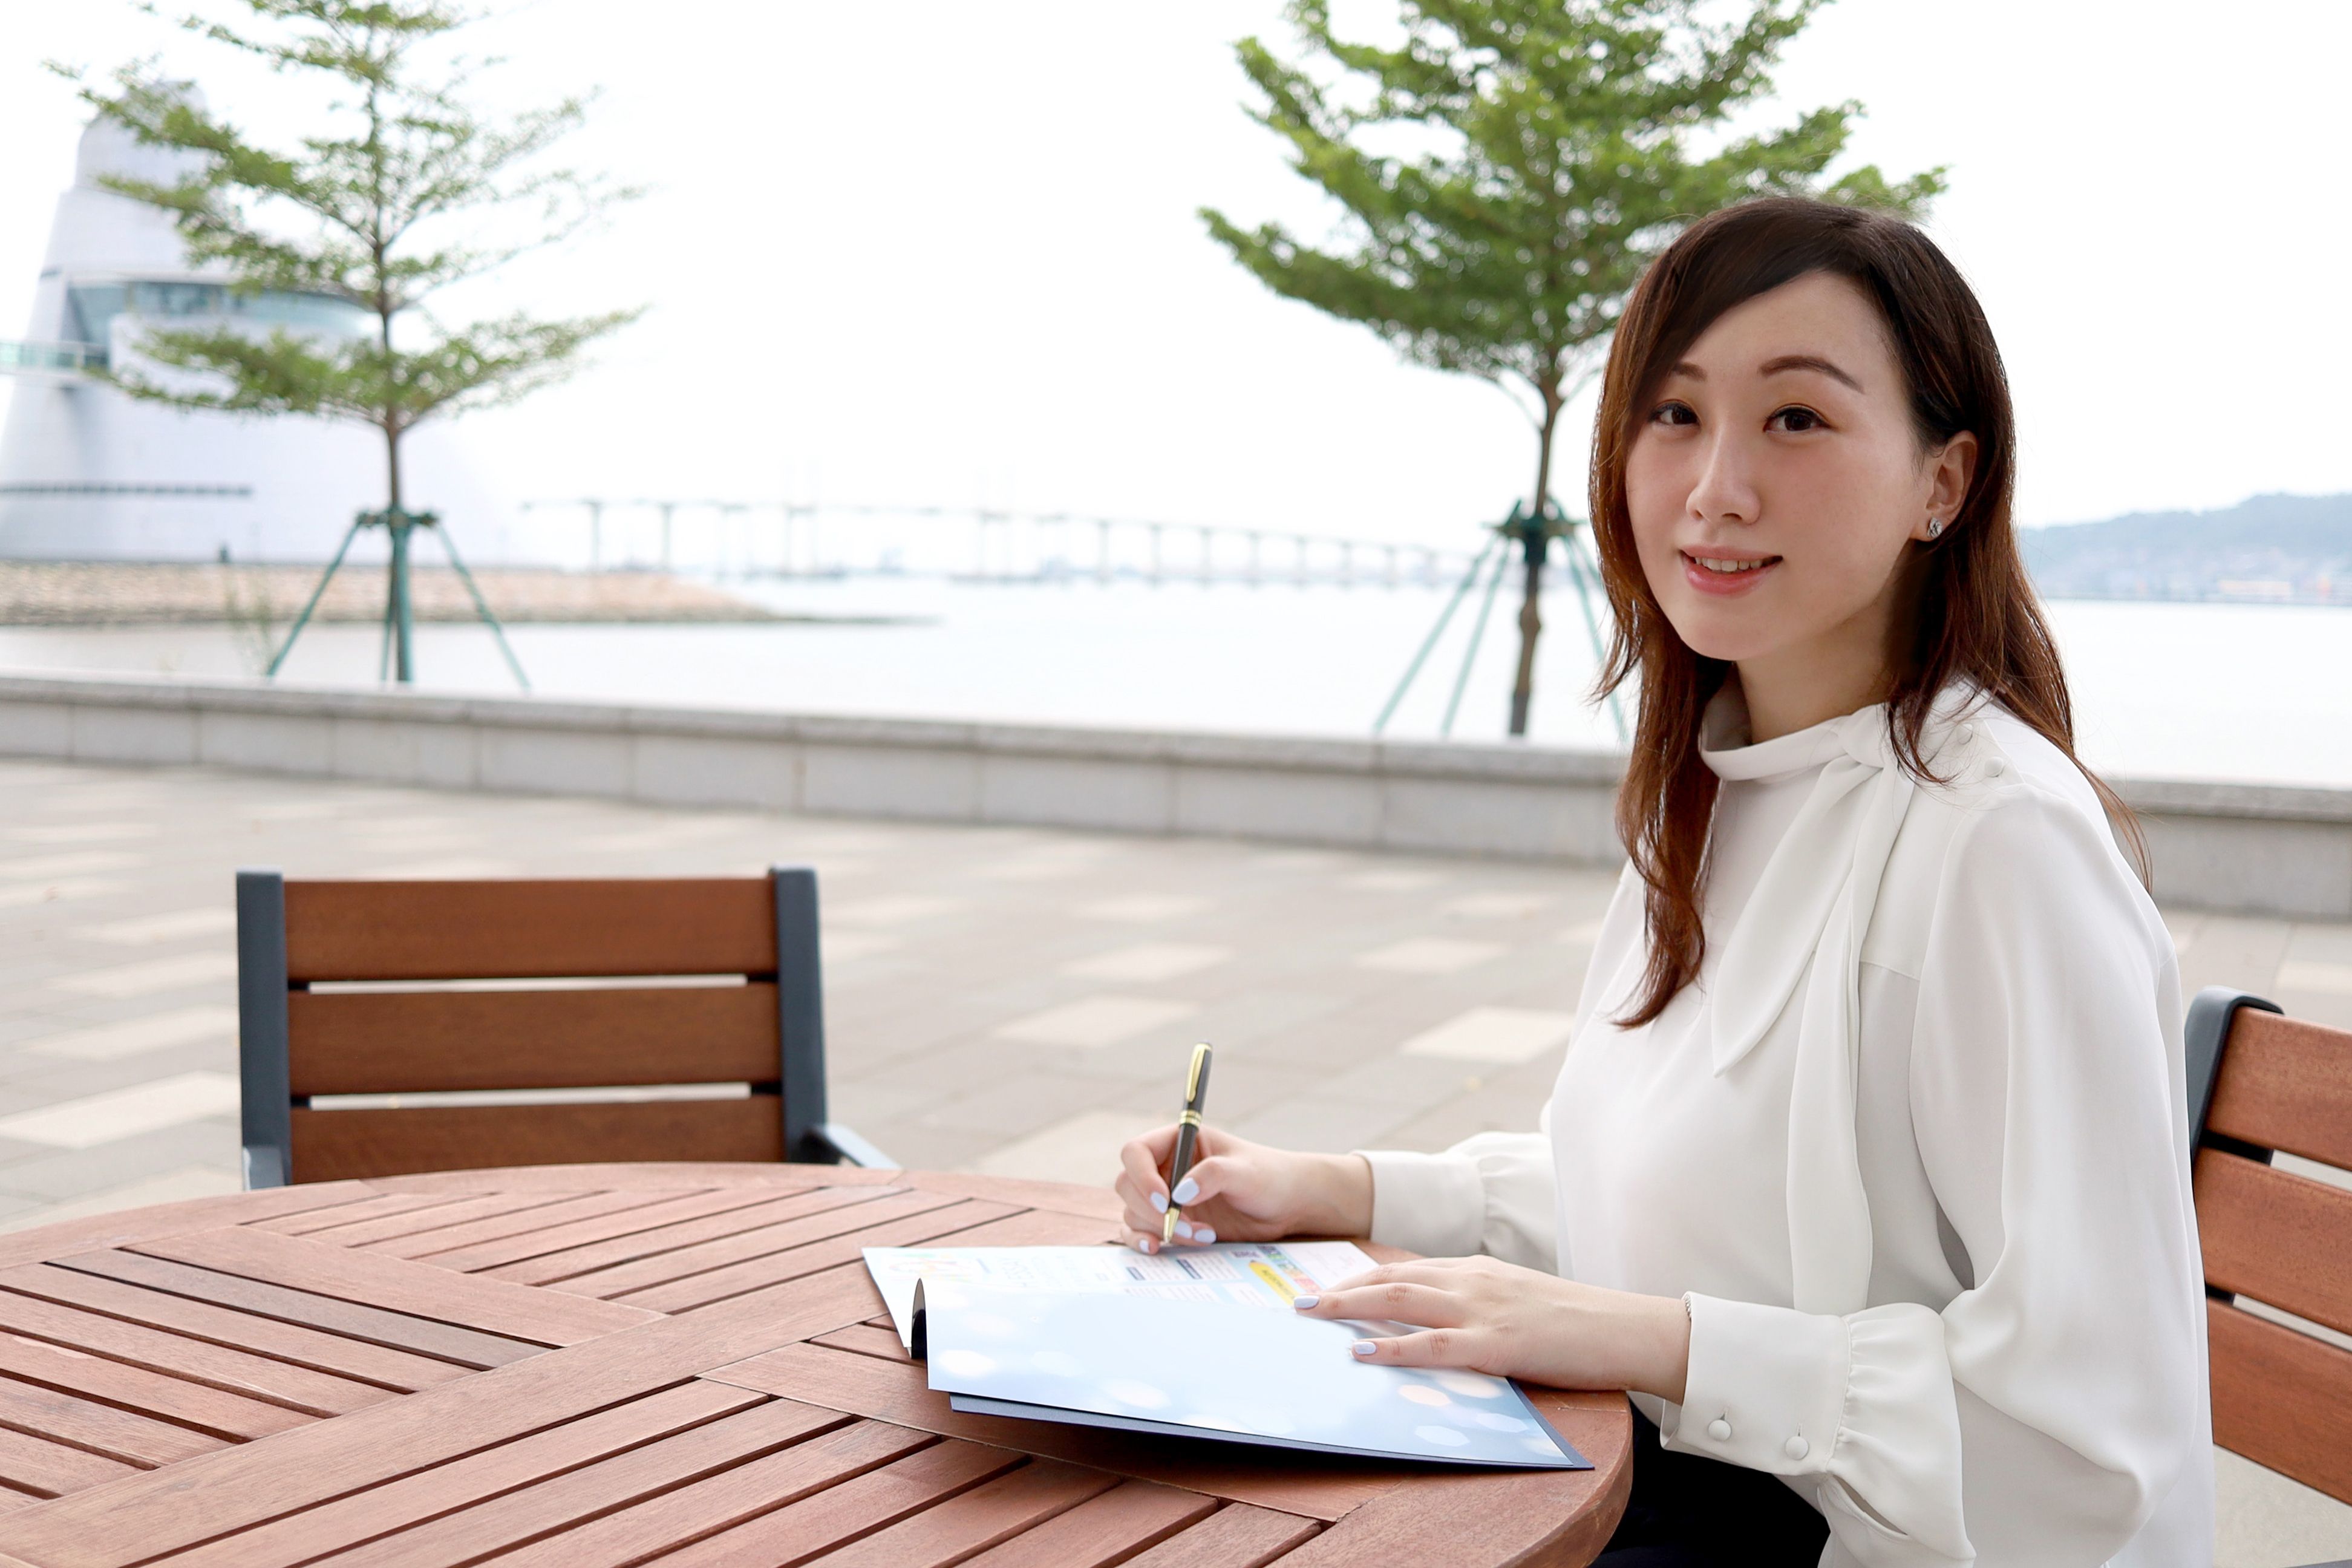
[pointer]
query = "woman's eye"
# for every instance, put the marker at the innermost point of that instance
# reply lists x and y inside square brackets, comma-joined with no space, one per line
[1673,413]
[1794,420]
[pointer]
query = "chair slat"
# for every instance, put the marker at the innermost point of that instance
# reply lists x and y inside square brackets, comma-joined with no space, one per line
[2283,1399]
[2287,1084]
[335,1145]
[496,930]
[2279,1237]
[417,1041]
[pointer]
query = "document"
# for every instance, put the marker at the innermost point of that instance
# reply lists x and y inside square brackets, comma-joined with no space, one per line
[1246,1274]
[1222,1371]
[1197,1342]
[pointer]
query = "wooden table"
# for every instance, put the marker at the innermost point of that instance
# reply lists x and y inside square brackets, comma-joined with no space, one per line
[590,1366]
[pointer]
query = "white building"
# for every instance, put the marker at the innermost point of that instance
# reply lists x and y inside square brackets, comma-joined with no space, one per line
[87,473]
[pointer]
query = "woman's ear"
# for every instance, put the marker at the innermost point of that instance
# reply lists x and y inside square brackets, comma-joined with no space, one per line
[1950,471]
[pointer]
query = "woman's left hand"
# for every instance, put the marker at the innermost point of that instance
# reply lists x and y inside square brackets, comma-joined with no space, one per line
[1501,1318]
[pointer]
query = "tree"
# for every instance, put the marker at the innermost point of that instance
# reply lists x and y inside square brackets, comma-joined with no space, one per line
[384,207]
[1556,150]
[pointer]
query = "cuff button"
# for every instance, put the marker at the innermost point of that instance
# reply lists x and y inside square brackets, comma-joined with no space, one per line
[1796,1447]
[1719,1429]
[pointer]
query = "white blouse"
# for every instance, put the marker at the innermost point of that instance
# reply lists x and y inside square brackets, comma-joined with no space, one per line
[1914,1148]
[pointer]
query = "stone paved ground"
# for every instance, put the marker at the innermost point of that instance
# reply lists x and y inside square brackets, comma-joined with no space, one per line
[1006,1000]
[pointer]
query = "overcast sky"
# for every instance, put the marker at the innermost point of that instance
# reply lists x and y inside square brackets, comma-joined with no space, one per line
[937,252]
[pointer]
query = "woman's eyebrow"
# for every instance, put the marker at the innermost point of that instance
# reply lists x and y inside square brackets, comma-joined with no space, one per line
[1807,361]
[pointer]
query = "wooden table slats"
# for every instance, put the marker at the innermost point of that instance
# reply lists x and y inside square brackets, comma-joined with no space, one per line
[608,1367]
[643,1238]
[358,1361]
[174,1356]
[379,1511]
[351,1319]
[858,1507]
[545,1318]
[420,1218]
[717,1503]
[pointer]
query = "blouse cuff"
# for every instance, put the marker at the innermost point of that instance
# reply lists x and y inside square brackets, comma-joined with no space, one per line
[1766,1388]
[1865,1402]
[1434,1205]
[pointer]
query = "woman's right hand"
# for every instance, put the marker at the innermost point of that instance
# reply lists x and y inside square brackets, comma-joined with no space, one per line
[1241,1191]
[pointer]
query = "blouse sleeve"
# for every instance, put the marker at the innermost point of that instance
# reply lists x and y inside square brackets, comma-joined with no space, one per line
[1490,1193]
[2049,1408]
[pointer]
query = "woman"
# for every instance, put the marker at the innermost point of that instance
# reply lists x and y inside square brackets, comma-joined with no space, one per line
[1867,1171]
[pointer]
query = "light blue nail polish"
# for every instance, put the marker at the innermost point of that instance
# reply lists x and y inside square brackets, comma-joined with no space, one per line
[1205,1236]
[1160,1202]
[1187,1190]
[1363,1347]
[1184,1228]
[1304,1303]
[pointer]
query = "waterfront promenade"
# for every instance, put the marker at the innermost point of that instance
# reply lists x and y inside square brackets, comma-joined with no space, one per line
[1007,999]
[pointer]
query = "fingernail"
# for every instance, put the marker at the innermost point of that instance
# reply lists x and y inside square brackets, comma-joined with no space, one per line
[1304,1303]
[1187,1190]
[1363,1347]
[1146,1244]
[1205,1236]
[1160,1202]
[1184,1228]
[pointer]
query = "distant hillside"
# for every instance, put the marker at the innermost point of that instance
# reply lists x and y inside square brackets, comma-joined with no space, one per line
[2269,550]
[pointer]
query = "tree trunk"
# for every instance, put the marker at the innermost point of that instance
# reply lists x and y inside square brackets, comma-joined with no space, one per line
[400,608]
[1536,544]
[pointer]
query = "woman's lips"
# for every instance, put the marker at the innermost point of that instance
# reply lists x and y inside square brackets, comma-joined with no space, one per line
[1724,574]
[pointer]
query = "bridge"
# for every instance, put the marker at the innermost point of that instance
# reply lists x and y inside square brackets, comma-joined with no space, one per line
[979,543]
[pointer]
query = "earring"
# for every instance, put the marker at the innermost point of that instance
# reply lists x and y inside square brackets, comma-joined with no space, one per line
[1934,528]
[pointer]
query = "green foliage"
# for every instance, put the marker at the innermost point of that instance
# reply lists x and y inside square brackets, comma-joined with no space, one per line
[1557,151]
[383,208]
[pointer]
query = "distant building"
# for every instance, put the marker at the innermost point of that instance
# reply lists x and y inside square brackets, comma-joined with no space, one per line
[87,473]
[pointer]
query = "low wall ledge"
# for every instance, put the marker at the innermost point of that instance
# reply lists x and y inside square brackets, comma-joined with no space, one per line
[1505,765]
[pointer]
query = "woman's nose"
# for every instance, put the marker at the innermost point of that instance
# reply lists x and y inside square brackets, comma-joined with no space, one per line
[1724,489]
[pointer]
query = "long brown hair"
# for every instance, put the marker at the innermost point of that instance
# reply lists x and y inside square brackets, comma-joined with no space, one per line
[1973,617]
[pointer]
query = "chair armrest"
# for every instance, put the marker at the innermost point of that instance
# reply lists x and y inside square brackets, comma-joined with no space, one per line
[852,1149]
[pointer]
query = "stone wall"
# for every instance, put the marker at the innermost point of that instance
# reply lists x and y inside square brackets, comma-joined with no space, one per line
[2235,847]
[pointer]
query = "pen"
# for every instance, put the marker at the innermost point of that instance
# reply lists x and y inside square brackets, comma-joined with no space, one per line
[1188,1135]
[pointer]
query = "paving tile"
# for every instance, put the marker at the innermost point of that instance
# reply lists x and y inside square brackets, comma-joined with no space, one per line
[174,1186]
[2234,949]
[176,925]
[1515,905]
[1318,1123]
[151,975]
[1150,961]
[106,1042]
[1491,1034]
[1081,1148]
[1145,909]
[64,1174]
[1095,1021]
[1430,955]
[125,1112]
[1016,1106]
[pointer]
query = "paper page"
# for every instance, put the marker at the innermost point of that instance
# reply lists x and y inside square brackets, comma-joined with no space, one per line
[1213,1369]
[1241,1273]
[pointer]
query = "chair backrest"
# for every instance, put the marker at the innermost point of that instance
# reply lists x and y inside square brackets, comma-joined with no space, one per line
[2260,1083]
[344,990]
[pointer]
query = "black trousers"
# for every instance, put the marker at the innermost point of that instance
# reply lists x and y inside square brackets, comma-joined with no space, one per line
[1687,1511]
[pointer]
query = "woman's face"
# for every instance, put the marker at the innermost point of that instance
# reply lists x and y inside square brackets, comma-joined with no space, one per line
[1775,482]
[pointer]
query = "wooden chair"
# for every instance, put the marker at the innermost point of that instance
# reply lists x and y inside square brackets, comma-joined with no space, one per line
[338,995]
[2259,1082]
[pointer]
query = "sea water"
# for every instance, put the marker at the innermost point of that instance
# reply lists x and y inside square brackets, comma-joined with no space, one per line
[2183,690]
